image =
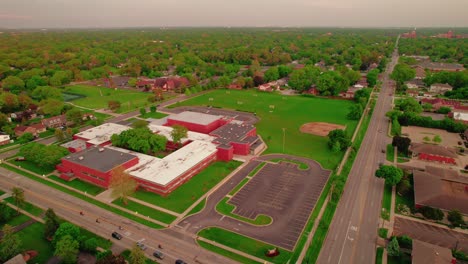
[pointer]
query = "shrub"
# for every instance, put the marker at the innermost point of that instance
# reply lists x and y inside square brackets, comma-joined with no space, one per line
[456,218]
[432,213]
[405,241]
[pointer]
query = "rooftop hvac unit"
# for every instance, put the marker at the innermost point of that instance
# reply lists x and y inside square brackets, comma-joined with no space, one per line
[81,158]
[101,149]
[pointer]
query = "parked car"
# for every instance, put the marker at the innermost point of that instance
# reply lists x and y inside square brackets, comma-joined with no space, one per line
[116,235]
[179,261]
[20,159]
[141,245]
[158,254]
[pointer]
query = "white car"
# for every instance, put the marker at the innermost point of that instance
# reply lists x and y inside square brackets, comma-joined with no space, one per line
[141,245]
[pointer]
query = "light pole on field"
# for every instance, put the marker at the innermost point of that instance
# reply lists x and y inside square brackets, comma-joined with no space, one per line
[284,137]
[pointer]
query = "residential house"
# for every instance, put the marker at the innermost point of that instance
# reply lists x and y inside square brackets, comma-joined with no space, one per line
[460,116]
[55,121]
[349,94]
[453,104]
[312,90]
[235,86]
[420,73]
[440,66]
[425,253]
[170,83]
[440,88]
[362,82]
[413,93]
[88,116]
[4,139]
[411,34]
[436,153]
[415,84]
[20,130]
[269,87]
[39,127]
[441,188]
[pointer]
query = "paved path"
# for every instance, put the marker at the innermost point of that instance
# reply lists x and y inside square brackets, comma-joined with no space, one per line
[432,234]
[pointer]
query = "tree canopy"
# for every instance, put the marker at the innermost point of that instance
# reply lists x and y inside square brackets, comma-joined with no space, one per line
[338,140]
[43,155]
[391,174]
[140,140]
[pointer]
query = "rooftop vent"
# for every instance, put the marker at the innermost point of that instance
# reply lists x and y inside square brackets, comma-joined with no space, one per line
[81,158]
[101,149]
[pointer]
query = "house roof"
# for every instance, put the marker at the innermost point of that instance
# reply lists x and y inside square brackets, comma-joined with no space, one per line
[425,253]
[38,126]
[62,119]
[100,159]
[441,188]
[195,117]
[433,150]
[444,85]
[233,132]
[441,66]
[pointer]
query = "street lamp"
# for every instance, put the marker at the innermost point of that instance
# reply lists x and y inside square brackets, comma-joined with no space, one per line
[284,137]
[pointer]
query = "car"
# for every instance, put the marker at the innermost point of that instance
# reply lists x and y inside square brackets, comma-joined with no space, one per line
[116,235]
[20,159]
[141,245]
[158,254]
[179,261]
[383,150]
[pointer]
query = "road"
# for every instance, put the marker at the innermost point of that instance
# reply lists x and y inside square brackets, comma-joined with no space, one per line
[181,246]
[353,231]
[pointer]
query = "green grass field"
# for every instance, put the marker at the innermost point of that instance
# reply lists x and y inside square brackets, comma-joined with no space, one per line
[146,211]
[387,201]
[226,253]
[28,207]
[383,232]
[239,186]
[97,97]
[245,244]
[79,185]
[226,209]
[289,112]
[198,207]
[31,166]
[16,220]
[379,255]
[32,238]
[155,115]
[184,196]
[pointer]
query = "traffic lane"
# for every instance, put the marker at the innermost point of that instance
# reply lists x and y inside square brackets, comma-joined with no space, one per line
[431,234]
[69,208]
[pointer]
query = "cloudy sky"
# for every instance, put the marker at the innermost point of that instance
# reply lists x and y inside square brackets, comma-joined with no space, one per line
[159,13]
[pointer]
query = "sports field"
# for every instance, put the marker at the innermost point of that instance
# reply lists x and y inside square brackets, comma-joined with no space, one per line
[290,112]
[97,97]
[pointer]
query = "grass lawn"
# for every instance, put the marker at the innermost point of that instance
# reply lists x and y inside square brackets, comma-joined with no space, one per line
[390,152]
[254,171]
[16,220]
[184,196]
[79,185]
[239,186]
[245,244]
[383,232]
[407,200]
[98,97]
[47,133]
[2,192]
[32,167]
[198,207]
[379,255]
[226,209]
[10,145]
[126,255]
[387,201]
[32,238]
[28,207]
[301,165]
[226,253]
[146,211]
[289,112]
[155,115]
[83,197]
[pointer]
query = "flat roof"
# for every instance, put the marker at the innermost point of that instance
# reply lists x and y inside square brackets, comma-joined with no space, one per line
[77,143]
[102,133]
[166,131]
[232,132]
[102,159]
[195,117]
[163,171]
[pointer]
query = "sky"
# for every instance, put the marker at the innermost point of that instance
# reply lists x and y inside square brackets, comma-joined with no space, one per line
[232,13]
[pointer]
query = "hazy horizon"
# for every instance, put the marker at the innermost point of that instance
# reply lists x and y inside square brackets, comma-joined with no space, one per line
[241,13]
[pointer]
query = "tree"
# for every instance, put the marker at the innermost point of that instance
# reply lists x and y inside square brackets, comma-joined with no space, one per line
[51,106]
[178,133]
[402,144]
[75,115]
[426,107]
[51,223]
[59,135]
[6,213]
[139,123]
[122,184]
[391,174]
[396,127]
[340,136]
[109,258]
[402,73]
[456,218]
[284,70]
[18,195]
[25,138]
[90,245]
[66,229]
[355,112]
[45,156]
[393,248]
[10,244]
[444,110]
[153,109]
[404,186]
[67,249]
[410,105]
[8,102]
[432,213]
[46,92]
[437,139]
[132,82]
[13,84]
[331,83]
[113,105]
[142,111]
[372,76]
[272,74]
[139,139]
[137,256]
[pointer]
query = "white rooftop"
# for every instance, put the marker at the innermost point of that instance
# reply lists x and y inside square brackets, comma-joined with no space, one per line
[163,171]
[102,133]
[166,131]
[195,117]
[460,116]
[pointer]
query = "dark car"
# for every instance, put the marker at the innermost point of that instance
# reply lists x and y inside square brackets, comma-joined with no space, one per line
[158,254]
[116,235]
[179,261]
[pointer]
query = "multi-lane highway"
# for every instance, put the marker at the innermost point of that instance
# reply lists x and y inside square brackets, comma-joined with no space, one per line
[352,234]
[68,207]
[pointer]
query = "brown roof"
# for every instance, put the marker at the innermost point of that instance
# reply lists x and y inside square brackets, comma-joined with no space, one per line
[441,66]
[433,150]
[425,253]
[441,188]
[420,72]
[445,85]
[55,120]
[38,126]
